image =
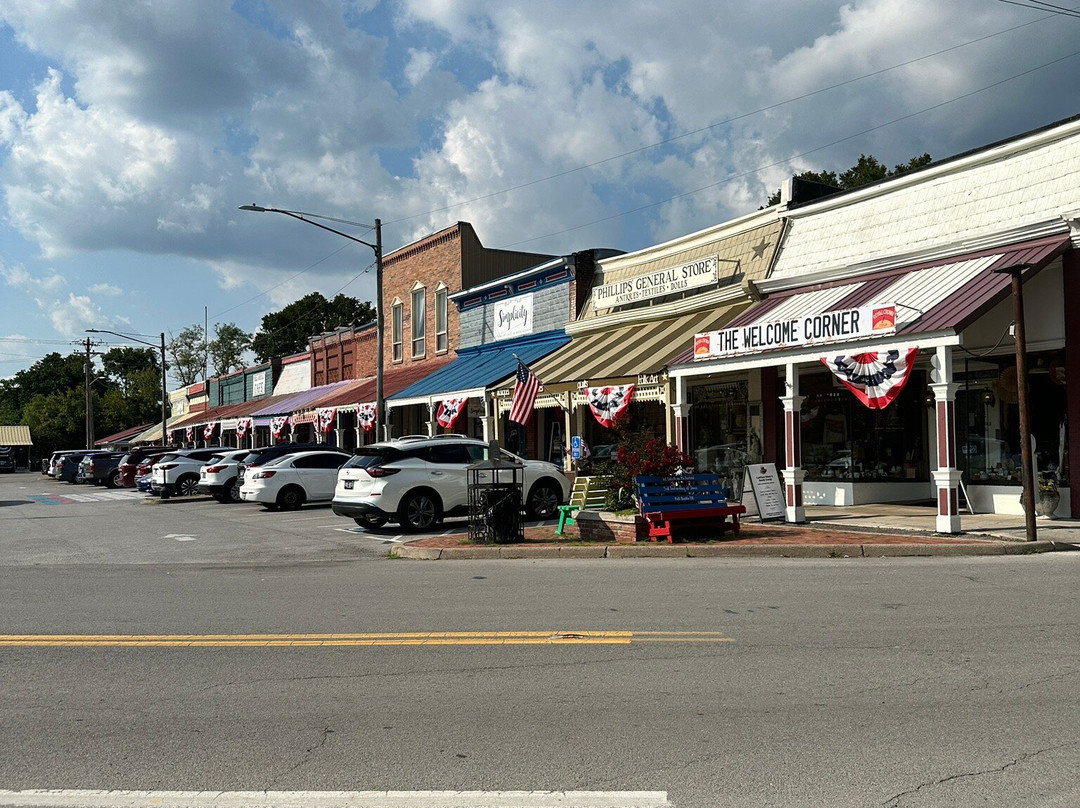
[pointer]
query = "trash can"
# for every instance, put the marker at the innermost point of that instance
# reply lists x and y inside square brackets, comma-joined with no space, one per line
[495,494]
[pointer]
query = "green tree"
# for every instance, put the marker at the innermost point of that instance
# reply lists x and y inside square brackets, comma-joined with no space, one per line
[57,420]
[866,170]
[187,350]
[227,347]
[122,365]
[287,331]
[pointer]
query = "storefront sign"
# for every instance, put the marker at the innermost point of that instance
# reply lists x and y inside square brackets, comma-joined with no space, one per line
[258,385]
[657,284]
[513,317]
[809,329]
[762,481]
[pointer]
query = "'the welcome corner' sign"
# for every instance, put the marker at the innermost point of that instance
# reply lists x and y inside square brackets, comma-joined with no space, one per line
[806,329]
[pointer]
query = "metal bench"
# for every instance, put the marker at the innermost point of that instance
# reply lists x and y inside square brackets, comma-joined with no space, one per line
[693,501]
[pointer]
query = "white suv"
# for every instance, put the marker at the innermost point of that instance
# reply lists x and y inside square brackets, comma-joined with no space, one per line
[419,480]
[178,472]
[220,477]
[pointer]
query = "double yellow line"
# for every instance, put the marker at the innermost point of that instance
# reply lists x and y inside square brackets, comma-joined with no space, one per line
[332,640]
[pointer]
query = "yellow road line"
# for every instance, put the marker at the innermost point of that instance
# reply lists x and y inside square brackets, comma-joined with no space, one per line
[338,640]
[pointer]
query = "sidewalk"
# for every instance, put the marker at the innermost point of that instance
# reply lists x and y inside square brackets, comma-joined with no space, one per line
[861,531]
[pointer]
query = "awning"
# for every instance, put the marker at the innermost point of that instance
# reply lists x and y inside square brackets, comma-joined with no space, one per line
[17,435]
[123,436]
[476,369]
[298,401]
[931,298]
[623,353]
[362,391]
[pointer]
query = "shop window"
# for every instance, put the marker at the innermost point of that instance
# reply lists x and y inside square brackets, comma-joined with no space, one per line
[419,321]
[721,441]
[442,341]
[988,419]
[844,441]
[396,329]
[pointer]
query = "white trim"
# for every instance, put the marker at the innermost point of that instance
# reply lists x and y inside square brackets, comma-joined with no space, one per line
[720,297]
[435,398]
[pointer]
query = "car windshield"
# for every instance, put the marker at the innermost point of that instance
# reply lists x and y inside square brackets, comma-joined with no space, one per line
[370,456]
[165,457]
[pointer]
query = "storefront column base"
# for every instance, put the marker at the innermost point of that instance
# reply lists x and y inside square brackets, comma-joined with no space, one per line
[947,482]
[794,512]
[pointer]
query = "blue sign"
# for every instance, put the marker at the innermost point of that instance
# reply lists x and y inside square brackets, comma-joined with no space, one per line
[575,447]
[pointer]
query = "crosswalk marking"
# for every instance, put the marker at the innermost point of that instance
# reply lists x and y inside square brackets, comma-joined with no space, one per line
[79,798]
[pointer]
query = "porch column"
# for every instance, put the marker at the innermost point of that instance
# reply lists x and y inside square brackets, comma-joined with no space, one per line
[793,472]
[679,411]
[567,461]
[431,419]
[946,475]
[487,421]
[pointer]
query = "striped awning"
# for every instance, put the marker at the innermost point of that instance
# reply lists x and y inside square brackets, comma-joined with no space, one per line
[16,435]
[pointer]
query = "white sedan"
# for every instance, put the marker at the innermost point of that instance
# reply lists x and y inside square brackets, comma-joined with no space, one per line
[294,479]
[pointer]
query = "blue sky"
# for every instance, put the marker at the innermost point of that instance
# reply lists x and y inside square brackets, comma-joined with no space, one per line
[129,134]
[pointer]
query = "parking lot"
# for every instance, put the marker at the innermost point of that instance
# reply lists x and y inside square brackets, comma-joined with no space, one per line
[43,521]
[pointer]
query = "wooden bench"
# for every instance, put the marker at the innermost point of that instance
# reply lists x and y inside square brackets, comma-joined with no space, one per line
[692,501]
[588,493]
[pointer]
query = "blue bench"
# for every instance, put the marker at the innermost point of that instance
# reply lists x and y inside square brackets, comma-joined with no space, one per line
[693,501]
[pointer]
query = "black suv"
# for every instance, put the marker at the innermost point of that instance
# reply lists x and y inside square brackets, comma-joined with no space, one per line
[103,468]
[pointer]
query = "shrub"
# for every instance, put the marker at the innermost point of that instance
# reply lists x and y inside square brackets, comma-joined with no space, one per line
[641,455]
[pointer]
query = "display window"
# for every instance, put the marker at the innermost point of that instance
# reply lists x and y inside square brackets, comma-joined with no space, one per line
[722,436]
[844,441]
[641,417]
[988,419]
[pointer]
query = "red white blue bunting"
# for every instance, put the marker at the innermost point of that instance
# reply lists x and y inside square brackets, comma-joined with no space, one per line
[208,430]
[875,377]
[365,414]
[242,427]
[278,425]
[608,403]
[450,411]
[326,419]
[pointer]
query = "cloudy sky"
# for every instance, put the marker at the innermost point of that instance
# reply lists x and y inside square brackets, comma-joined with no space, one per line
[130,132]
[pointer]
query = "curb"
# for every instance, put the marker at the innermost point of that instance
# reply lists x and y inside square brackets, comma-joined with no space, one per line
[517,551]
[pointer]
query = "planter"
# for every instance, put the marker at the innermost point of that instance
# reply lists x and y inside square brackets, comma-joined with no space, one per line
[1047,503]
[608,527]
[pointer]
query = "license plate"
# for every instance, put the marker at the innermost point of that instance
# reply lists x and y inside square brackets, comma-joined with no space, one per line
[349,485]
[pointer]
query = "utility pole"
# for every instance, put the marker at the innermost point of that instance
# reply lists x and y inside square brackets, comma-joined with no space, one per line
[89,380]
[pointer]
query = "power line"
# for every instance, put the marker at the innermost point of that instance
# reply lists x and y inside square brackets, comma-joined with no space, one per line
[1040,5]
[787,160]
[712,126]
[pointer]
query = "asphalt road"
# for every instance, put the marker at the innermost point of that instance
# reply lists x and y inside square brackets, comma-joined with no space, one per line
[893,682]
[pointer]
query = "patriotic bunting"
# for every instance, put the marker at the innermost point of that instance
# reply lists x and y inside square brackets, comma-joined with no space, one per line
[189,434]
[608,403]
[242,427]
[365,414]
[450,411]
[278,425]
[208,430]
[875,377]
[326,419]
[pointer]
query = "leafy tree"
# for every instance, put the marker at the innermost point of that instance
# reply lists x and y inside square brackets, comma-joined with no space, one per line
[287,331]
[866,170]
[227,347]
[188,353]
[57,420]
[123,365]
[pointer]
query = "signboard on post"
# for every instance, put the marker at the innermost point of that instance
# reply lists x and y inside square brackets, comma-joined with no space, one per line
[575,447]
[762,483]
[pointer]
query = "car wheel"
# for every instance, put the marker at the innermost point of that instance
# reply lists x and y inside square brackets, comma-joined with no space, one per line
[187,486]
[371,520]
[114,480]
[544,500]
[232,491]
[419,511]
[290,498]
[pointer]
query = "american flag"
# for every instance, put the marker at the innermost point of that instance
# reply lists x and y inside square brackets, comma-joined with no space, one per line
[526,388]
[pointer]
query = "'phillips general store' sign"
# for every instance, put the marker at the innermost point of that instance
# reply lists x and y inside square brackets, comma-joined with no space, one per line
[808,329]
[657,284]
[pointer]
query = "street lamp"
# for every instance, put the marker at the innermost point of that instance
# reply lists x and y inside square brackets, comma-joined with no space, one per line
[380,404]
[164,383]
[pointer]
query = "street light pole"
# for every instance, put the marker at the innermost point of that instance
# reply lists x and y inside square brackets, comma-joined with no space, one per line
[164,372]
[380,402]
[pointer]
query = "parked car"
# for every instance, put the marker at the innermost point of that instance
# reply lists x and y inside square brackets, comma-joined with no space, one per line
[54,460]
[101,468]
[68,466]
[263,455]
[293,479]
[129,463]
[7,458]
[220,477]
[178,472]
[418,481]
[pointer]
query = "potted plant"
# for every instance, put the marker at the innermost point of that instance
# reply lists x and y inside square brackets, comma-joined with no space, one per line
[1049,496]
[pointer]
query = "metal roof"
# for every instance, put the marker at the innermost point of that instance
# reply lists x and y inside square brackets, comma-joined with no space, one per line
[483,366]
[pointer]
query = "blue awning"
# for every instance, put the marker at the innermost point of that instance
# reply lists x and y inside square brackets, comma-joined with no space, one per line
[481,367]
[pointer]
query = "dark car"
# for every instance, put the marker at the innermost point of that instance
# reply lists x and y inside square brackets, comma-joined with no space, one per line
[102,468]
[262,456]
[129,463]
[7,458]
[68,465]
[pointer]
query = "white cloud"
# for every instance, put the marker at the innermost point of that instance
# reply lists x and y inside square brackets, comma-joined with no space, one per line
[106,289]
[21,278]
[73,316]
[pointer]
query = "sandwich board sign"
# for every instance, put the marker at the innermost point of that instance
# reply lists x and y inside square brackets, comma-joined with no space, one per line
[762,484]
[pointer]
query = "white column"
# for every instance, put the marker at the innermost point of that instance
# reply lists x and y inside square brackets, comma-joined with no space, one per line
[679,410]
[486,420]
[793,472]
[946,475]
[431,419]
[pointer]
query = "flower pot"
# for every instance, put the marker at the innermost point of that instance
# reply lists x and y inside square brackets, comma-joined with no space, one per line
[1047,503]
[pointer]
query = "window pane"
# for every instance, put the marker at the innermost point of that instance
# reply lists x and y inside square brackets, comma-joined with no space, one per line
[441,342]
[419,312]
[397,329]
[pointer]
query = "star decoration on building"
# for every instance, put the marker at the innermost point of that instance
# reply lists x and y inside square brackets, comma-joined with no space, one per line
[759,249]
